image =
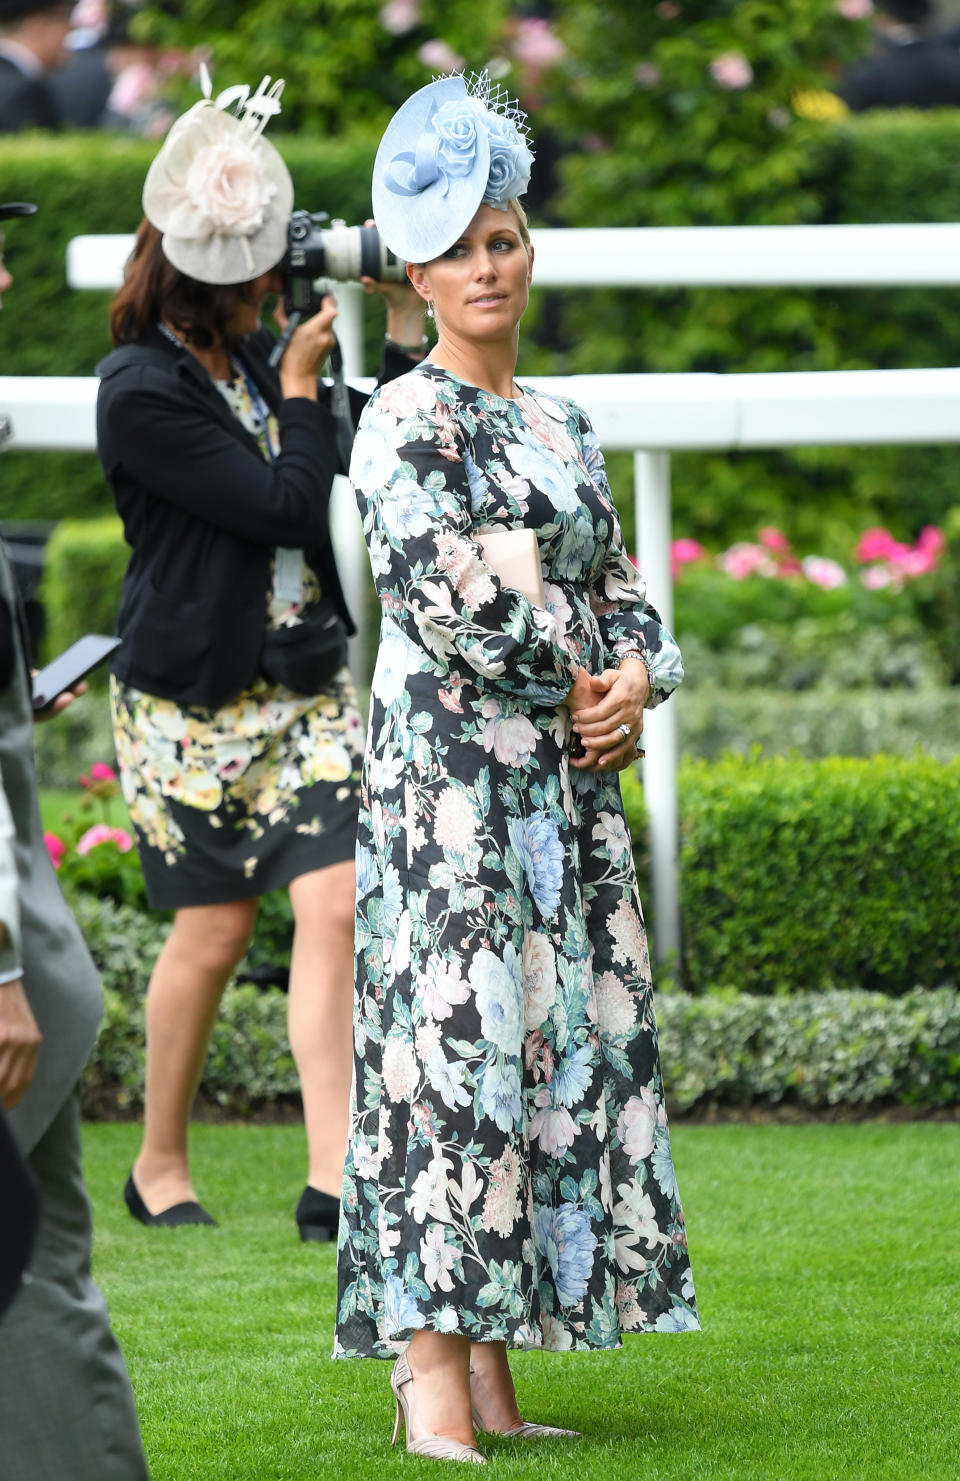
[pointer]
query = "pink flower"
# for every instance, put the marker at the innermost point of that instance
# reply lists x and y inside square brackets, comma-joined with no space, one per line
[398,16]
[855,10]
[744,559]
[875,578]
[103,833]
[823,572]
[101,772]
[731,71]
[874,544]
[789,566]
[773,539]
[536,45]
[56,848]
[916,562]
[930,538]
[646,74]
[683,553]
[439,57]
[668,10]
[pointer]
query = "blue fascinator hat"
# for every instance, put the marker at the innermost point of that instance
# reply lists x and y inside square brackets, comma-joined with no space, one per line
[457,144]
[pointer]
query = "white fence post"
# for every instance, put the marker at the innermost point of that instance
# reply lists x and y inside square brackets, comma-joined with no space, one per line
[653,537]
[346,531]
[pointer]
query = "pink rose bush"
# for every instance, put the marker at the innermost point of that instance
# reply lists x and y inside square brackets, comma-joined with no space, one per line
[731,71]
[885,562]
[97,857]
[102,833]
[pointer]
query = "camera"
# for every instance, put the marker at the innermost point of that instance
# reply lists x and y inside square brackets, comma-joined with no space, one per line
[336,252]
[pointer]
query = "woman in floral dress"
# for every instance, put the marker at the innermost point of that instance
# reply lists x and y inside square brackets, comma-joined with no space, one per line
[509,1180]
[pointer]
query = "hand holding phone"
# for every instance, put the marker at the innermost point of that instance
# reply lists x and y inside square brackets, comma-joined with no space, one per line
[72,665]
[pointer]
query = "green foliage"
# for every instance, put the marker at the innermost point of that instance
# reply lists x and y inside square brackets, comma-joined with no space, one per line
[836,873]
[82,575]
[669,147]
[818,723]
[813,1049]
[791,634]
[341,65]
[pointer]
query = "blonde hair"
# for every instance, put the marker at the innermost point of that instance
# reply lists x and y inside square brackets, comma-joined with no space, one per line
[521,215]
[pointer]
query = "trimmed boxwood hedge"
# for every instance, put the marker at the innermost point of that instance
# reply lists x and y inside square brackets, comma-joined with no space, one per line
[815,1050]
[835,873]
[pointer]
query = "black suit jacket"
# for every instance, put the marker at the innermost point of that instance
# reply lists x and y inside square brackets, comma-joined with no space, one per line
[922,74]
[25,102]
[203,511]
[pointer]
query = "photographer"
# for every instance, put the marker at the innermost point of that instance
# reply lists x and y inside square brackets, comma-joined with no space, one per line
[236,722]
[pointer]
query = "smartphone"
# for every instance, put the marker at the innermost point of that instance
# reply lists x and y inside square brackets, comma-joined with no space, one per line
[73,665]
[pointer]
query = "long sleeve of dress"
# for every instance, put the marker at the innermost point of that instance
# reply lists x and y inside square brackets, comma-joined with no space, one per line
[414,493]
[618,597]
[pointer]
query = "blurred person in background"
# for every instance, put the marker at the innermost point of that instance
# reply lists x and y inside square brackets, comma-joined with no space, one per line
[112,80]
[236,722]
[32,38]
[914,66]
[66,1406]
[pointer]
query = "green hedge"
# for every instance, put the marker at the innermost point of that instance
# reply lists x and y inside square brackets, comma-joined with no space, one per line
[814,1050]
[82,576]
[836,873]
[819,723]
[794,874]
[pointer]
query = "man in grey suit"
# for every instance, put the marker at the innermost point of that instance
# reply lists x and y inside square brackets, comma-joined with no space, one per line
[66,1407]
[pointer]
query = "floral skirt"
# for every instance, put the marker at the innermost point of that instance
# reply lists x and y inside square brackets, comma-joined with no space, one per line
[230,803]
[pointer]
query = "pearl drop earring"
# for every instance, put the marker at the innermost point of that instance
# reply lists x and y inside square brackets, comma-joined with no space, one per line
[430,313]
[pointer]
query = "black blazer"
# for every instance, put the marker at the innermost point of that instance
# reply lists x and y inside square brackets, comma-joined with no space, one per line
[25,102]
[202,511]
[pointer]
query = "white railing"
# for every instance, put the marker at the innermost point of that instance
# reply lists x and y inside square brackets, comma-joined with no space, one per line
[650,415]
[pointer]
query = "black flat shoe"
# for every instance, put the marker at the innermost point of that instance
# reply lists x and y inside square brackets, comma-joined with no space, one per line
[318,1215]
[168,1218]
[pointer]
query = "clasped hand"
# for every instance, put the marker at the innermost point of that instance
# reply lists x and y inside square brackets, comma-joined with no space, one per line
[599,703]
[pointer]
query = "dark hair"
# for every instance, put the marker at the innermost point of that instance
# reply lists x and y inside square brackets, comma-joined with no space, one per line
[154,289]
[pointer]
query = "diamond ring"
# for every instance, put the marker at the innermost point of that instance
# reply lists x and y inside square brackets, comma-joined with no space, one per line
[624,730]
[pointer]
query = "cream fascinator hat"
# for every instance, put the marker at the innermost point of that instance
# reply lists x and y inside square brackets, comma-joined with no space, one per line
[218,191]
[455,145]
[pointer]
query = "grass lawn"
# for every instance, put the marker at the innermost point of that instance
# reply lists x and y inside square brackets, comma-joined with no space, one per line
[56,807]
[827,1261]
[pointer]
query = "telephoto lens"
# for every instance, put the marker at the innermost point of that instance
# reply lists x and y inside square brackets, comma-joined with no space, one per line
[340,252]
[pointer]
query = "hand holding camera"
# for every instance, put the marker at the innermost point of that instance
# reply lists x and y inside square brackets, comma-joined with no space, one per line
[308,347]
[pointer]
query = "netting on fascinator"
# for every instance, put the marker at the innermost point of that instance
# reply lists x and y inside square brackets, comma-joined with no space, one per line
[458,143]
[218,190]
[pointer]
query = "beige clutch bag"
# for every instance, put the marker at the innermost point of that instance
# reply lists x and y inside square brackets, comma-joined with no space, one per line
[515,557]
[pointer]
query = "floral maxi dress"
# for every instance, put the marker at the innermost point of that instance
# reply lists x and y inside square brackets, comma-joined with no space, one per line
[509,1173]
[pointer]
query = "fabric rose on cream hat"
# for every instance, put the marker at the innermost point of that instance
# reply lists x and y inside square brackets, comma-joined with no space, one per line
[219,191]
[455,145]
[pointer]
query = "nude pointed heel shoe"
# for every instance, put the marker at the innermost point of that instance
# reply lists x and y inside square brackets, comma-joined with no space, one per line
[434,1447]
[525,1430]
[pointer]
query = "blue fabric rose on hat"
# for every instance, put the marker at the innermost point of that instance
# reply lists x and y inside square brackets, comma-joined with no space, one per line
[456,125]
[510,163]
